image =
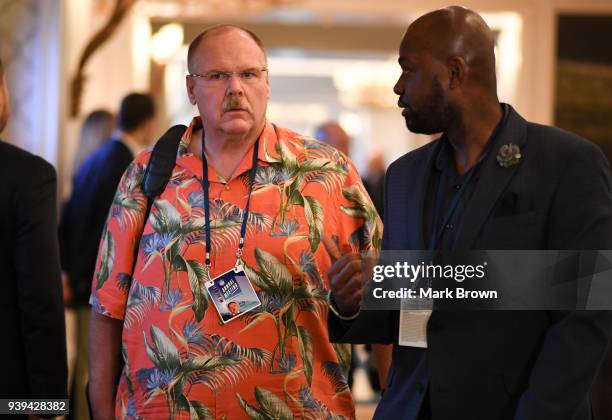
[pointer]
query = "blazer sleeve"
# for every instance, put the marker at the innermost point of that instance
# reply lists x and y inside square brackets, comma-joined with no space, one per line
[38,282]
[576,342]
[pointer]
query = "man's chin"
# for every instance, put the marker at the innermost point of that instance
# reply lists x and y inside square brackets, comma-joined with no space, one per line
[417,128]
[237,126]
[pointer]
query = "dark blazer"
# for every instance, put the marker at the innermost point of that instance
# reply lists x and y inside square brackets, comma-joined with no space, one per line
[500,364]
[85,213]
[33,349]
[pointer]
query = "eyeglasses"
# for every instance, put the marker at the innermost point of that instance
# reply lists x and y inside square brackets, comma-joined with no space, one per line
[218,78]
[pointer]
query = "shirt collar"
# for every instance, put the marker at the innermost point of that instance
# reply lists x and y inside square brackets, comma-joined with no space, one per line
[445,156]
[266,154]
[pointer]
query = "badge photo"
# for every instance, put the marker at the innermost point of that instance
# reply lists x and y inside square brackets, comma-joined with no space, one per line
[233,294]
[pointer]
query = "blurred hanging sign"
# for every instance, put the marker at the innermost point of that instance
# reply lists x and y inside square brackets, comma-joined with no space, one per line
[166,42]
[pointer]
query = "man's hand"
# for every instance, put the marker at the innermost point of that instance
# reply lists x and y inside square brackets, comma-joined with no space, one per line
[344,278]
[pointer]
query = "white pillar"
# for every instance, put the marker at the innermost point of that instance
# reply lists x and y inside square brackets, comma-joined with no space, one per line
[30,33]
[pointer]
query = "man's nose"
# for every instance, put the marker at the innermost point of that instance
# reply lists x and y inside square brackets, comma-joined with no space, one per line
[234,85]
[398,89]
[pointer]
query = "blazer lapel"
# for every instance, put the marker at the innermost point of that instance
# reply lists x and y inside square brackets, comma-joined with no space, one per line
[493,180]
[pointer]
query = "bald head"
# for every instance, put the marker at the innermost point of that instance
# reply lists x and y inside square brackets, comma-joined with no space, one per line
[215,31]
[334,135]
[456,32]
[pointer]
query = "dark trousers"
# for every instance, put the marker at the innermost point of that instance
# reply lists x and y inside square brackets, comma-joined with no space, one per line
[425,411]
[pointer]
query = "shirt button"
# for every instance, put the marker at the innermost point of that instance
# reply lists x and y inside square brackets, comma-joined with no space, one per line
[449,226]
[458,186]
[227,187]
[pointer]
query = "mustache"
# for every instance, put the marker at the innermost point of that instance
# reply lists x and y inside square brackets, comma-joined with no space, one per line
[402,104]
[234,102]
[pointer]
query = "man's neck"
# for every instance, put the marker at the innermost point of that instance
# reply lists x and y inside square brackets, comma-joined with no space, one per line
[470,137]
[223,154]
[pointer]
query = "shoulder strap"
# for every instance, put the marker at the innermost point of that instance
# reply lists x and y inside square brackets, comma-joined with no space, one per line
[159,169]
[162,161]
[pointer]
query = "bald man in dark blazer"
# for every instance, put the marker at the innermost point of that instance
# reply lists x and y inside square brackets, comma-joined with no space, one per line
[492,181]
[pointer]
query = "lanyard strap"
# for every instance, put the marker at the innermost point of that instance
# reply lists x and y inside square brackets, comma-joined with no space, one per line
[245,215]
[437,234]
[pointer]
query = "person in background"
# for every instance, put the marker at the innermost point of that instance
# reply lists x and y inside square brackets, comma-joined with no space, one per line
[33,352]
[95,131]
[84,214]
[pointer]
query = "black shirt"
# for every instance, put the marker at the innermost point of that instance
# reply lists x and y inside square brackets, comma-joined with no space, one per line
[444,184]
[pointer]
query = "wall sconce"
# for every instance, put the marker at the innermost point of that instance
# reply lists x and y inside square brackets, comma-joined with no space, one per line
[369,85]
[166,42]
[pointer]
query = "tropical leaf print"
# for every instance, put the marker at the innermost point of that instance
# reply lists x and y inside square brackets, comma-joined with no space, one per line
[282,301]
[291,175]
[107,258]
[197,276]
[343,353]
[270,406]
[129,202]
[214,361]
[334,372]
[226,220]
[141,300]
[370,233]
[314,216]
[306,350]
[315,409]
[198,411]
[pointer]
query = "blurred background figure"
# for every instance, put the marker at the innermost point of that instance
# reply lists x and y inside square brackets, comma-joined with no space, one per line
[95,131]
[84,214]
[33,353]
[333,134]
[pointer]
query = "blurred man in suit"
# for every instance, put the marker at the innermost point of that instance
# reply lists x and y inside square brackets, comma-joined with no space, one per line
[84,216]
[94,186]
[492,181]
[33,352]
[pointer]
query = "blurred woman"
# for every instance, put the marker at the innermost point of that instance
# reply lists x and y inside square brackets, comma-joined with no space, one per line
[96,130]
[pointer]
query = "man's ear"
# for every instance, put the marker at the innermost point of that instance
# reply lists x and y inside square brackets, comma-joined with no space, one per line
[189,84]
[457,68]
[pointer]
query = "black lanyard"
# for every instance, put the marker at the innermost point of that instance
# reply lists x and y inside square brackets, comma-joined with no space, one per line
[437,234]
[245,215]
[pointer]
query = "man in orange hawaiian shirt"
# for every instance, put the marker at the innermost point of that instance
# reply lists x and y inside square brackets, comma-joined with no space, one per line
[183,357]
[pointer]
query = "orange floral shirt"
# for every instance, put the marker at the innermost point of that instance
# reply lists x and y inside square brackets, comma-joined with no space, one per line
[276,361]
